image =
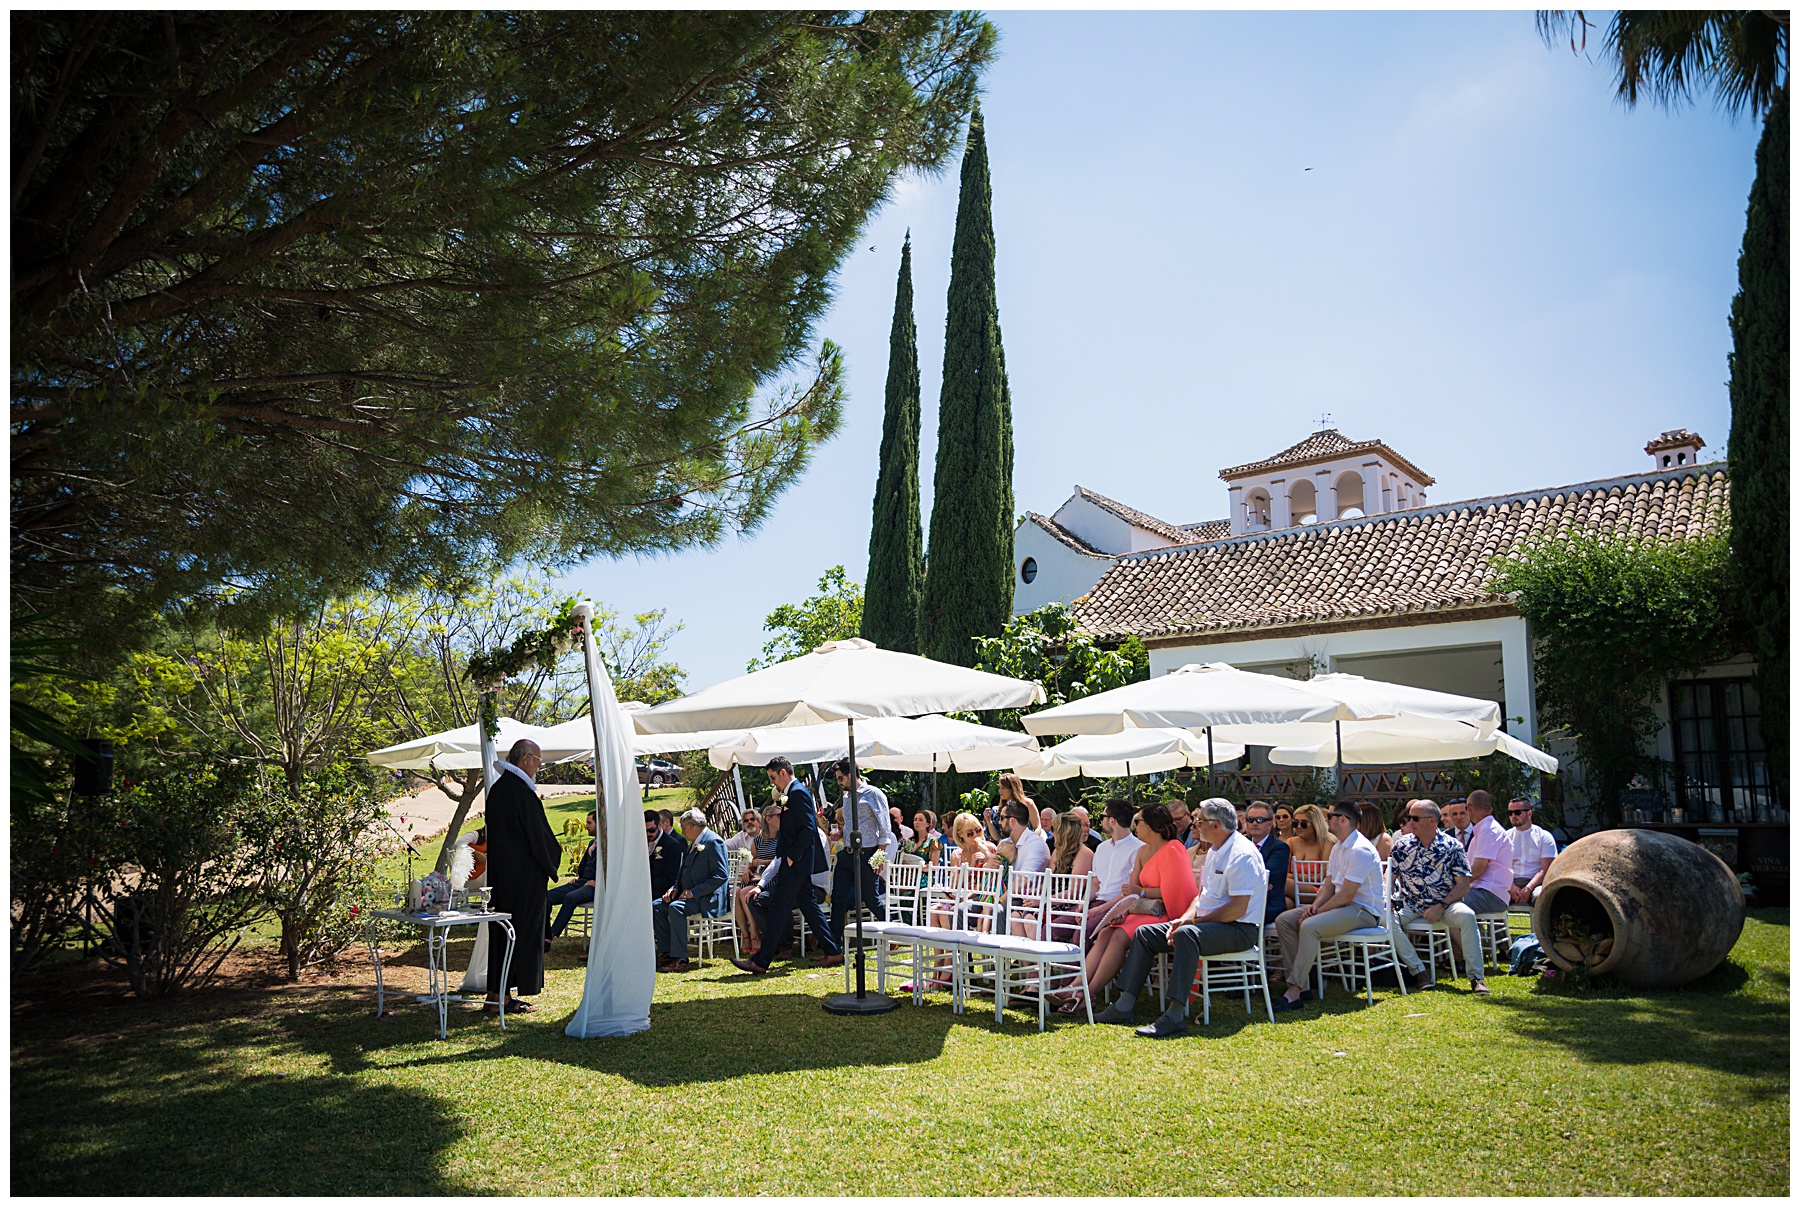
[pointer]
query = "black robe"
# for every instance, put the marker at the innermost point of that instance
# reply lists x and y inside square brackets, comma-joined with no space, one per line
[523,856]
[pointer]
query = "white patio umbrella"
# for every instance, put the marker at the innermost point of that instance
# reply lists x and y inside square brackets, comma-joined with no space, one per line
[1195,696]
[1376,698]
[1363,747]
[847,681]
[1131,753]
[930,743]
[573,733]
[460,749]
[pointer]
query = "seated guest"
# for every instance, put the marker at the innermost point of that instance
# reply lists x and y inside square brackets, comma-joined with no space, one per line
[1162,880]
[1310,842]
[1113,858]
[1012,788]
[577,892]
[1403,823]
[1349,899]
[745,838]
[1071,856]
[1490,857]
[1242,812]
[923,841]
[1372,827]
[1284,821]
[1261,822]
[666,851]
[1034,852]
[896,819]
[1184,824]
[1430,874]
[700,888]
[756,909]
[1533,851]
[1224,917]
[972,849]
[757,877]
[1088,838]
[1456,821]
[1046,826]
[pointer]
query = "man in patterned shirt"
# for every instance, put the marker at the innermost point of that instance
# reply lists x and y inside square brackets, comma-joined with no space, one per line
[1430,878]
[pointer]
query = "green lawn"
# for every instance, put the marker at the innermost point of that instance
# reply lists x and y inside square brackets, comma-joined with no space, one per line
[745,1087]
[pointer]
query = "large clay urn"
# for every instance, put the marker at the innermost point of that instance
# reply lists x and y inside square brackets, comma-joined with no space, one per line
[1648,909]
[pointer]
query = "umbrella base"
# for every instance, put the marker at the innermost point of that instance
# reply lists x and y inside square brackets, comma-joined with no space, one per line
[869,1003]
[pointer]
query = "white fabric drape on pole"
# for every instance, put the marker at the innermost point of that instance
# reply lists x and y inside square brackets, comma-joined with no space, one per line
[621,971]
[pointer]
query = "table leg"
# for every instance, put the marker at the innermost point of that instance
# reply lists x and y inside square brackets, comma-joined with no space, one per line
[506,970]
[436,956]
[375,958]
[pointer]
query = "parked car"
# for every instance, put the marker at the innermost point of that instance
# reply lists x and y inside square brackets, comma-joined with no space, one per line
[658,772]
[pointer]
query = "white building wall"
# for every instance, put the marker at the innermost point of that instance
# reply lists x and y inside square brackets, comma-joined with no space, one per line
[1063,574]
[1095,525]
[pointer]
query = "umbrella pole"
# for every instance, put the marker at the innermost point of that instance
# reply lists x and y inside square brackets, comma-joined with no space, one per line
[1131,780]
[1337,768]
[1209,761]
[859,1002]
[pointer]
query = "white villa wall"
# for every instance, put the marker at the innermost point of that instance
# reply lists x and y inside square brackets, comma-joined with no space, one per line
[1103,529]
[1063,574]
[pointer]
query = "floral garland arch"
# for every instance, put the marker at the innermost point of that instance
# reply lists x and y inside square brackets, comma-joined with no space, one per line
[532,648]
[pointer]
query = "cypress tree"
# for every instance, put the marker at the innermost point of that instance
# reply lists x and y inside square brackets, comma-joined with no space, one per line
[1759,428]
[969,576]
[896,537]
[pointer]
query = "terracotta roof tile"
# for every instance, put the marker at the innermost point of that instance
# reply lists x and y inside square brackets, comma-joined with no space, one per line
[1206,530]
[1428,559]
[1132,515]
[1326,445]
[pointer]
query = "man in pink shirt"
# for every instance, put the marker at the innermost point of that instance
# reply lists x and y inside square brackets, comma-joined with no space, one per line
[1490,858]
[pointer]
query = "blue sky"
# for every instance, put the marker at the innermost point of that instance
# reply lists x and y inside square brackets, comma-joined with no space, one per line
[1491,265]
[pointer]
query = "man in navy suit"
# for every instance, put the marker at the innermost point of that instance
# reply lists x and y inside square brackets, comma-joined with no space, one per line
[799,855]
[699,889]
[1259,828]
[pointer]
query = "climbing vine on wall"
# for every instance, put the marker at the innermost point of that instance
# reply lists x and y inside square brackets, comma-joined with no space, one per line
[1612,621]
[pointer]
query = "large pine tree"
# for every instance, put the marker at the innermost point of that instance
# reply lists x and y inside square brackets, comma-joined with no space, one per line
[896,536]
[1759,427]
[969,576]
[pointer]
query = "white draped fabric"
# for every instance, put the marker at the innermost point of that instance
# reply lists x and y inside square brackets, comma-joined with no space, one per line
[621,970]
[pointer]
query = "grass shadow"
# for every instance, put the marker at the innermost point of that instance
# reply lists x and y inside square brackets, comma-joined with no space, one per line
[689,1042]
[110,1132]
[1709,1024]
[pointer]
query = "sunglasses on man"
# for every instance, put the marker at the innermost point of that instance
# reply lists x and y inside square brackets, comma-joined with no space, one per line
[1517,812]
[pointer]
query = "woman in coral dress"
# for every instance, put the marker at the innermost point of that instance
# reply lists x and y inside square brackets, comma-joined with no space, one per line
[1160,872]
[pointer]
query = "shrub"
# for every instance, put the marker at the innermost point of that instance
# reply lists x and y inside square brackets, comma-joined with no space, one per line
[320,850]
[188,884]
[51,861]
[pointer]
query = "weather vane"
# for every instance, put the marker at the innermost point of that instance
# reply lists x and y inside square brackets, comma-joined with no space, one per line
[1324,419]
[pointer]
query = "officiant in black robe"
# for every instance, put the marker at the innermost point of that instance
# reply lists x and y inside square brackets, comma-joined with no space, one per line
[523,856]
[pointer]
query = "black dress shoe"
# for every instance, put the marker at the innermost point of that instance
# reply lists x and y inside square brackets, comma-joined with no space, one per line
[1164,1028]
[1283,1004]
[750,966]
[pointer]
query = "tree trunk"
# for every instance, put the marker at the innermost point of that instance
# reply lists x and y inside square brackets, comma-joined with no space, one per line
[471,788]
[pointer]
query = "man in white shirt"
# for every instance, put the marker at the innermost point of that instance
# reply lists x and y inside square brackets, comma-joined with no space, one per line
[1034,852]
[1533,851]
[745,839]
[875,825]
[1113,858]
[1349,899]
[1225,917]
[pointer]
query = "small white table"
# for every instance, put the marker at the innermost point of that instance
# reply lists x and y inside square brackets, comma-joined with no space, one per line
[437,949]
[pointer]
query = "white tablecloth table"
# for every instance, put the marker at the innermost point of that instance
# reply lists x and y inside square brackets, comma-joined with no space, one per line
[437,943]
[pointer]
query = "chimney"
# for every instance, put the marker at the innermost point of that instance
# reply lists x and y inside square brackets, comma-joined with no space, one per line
[1674,449]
